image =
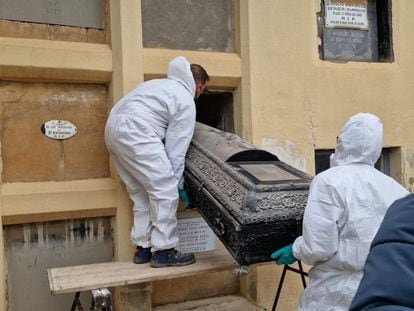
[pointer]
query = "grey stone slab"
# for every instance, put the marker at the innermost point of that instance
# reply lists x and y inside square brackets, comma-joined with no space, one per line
[80,13]
[188,25]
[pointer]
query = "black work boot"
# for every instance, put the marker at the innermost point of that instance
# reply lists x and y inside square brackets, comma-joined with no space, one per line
[171,258]
[142,255]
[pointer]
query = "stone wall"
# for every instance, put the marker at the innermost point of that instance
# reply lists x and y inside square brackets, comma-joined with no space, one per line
[30,156]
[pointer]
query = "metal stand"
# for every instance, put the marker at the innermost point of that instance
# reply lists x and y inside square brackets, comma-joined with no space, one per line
[76,303]
[100,301]
[282,279]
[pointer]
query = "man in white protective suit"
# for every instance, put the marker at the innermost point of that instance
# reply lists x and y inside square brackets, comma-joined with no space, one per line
[147,134]
[345,208]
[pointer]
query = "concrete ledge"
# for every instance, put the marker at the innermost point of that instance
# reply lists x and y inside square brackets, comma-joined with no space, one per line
[224,69]
[62,61]
[54,198]
[47,60]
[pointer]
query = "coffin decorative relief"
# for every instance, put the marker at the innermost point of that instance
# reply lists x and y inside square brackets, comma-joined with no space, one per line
[253,202]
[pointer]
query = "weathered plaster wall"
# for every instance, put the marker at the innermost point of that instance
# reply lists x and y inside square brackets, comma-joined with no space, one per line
[286,99]
[299,102]
[28,155]
[44,179]
[408,168]
[194,287]
[31,249]
[51,32]
[17,29]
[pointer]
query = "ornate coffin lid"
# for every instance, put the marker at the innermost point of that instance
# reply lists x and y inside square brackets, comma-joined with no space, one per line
[252,184]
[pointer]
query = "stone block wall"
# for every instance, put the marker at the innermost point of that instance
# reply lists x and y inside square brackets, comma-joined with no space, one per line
[28,155]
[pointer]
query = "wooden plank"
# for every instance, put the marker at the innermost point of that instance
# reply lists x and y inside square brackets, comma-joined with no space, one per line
[111,274]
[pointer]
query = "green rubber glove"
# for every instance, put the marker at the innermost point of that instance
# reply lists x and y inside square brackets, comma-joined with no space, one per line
[184,197]
[284,256]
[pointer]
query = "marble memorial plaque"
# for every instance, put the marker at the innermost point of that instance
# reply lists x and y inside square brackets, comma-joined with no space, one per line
[350,43]
[58,129]
[195,235]
[348,15]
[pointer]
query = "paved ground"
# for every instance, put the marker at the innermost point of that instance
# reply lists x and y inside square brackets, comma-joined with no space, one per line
[224,303]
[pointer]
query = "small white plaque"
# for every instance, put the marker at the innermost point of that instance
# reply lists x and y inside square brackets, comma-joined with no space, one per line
[58,129]
[344,15]
[195,235]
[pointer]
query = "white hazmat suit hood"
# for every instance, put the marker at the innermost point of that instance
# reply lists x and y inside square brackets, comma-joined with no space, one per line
[179,70]
[147,134]
[345,207]
[360,141]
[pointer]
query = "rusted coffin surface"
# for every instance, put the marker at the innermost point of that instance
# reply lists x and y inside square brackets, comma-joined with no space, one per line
[253,202]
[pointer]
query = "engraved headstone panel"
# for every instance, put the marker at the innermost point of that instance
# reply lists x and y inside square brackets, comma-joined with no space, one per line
[195,235]
[346,14]
[348,43]
[80,13]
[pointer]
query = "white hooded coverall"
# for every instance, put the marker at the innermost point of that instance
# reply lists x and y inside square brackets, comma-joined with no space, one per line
[147,134]
[345,208]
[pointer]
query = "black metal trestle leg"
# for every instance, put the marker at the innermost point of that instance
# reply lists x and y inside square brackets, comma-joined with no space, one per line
[302,274]
[76,303]
[100,301]
[282,279]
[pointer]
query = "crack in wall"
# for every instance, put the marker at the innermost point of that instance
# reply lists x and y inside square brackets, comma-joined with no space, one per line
[310,115]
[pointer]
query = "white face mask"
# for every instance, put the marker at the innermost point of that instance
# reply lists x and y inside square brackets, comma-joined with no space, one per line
[332,160]
[333,157]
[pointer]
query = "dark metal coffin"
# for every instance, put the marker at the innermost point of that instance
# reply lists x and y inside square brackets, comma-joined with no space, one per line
[253,202]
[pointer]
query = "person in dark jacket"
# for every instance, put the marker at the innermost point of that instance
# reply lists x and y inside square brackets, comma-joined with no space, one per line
[388,281]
